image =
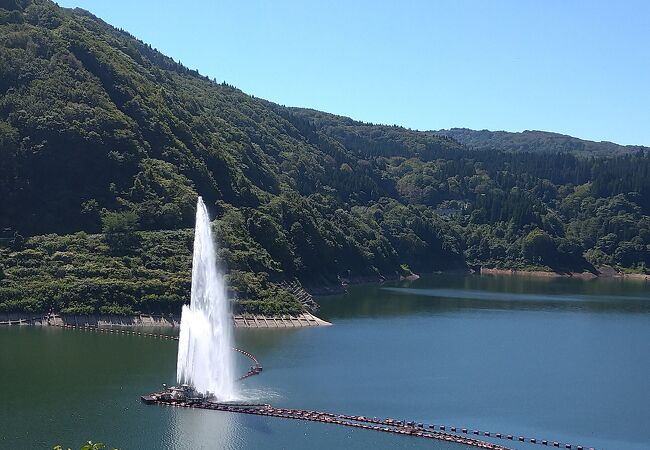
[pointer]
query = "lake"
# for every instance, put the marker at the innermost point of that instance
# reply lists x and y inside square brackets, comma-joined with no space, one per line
[559,359]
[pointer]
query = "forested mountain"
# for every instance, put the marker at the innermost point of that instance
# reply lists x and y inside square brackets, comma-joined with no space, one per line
[535,141]
[107,143]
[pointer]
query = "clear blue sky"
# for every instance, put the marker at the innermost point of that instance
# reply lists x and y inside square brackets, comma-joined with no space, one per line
[575,67]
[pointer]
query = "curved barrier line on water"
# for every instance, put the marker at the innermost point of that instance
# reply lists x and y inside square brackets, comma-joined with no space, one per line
[399,427]
[255,369]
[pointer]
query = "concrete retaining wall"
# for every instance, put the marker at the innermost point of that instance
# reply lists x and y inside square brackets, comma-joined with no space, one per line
[109,321]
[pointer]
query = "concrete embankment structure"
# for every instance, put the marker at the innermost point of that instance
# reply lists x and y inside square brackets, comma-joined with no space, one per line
[149,320]
[89,320]
[298,321]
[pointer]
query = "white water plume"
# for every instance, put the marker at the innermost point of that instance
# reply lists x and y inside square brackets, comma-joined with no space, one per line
[205,355]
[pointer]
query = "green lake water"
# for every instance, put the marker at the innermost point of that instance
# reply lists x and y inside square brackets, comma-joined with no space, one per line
[561,359]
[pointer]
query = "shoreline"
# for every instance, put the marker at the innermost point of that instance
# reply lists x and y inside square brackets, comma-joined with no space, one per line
[323,290]
[303,320]
[537,273]
[603,272]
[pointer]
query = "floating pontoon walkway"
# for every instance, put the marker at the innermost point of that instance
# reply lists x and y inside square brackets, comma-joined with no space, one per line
[385,426]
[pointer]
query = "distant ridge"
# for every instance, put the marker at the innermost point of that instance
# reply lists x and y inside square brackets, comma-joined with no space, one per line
[535,141]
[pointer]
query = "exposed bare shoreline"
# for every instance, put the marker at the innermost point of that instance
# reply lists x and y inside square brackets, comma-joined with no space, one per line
[604,272]
[537,273]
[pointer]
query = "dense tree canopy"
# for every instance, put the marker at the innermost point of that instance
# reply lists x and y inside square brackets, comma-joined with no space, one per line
[535,141]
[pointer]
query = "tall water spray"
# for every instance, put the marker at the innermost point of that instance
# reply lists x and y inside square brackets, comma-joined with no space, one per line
[205,356]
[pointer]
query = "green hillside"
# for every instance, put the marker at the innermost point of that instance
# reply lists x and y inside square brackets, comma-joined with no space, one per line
[535,141]
[105,144]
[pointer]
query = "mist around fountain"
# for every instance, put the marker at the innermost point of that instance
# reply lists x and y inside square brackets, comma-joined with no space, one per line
[205,356]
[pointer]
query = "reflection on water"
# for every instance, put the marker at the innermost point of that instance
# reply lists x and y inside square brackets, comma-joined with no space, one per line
[499,296]
[205,430]
[465,293]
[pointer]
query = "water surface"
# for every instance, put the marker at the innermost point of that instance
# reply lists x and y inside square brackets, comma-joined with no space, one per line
[558,359]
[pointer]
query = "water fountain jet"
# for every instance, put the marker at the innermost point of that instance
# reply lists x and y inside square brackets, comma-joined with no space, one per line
[205,356]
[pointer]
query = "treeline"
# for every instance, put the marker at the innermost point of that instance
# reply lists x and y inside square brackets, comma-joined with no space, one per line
[535,141]
[107,143]
[521,210]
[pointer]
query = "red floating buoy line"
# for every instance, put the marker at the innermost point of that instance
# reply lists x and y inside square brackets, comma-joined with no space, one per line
[395,426]
[255,369]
